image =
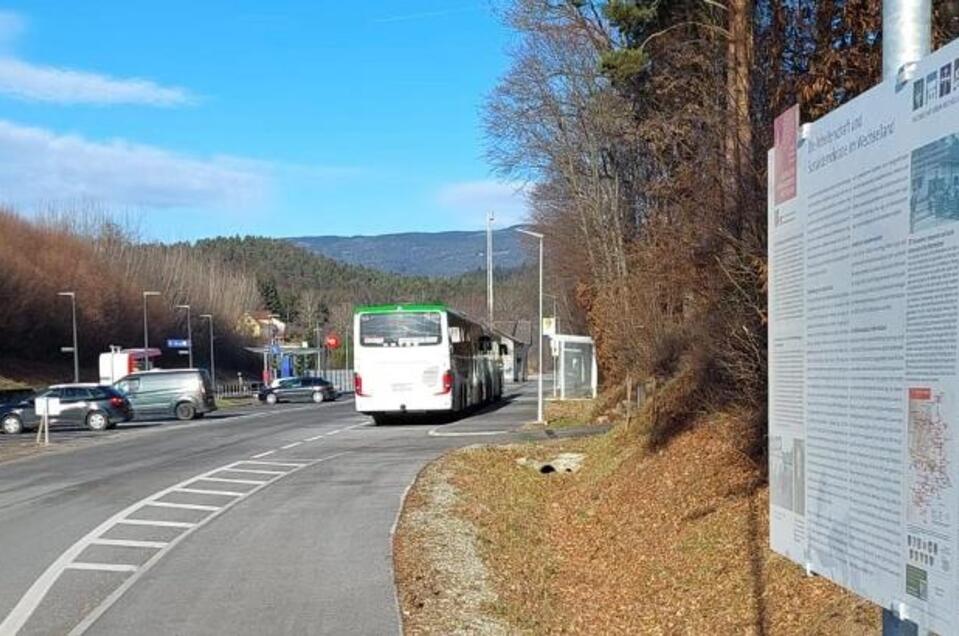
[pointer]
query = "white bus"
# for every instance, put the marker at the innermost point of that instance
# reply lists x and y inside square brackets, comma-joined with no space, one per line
[423,358]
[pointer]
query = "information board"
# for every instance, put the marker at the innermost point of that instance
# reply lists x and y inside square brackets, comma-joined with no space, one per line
[864,321]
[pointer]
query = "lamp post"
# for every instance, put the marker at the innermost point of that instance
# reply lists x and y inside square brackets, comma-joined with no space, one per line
[76,354]
[212,359]
[489,268]
[146,331]
[539,375]
[189,331]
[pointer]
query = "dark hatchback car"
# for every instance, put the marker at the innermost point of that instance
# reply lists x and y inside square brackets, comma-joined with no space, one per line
[298,389]
[94,406]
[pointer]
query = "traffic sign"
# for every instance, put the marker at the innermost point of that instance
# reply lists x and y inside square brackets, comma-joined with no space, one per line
[177,344]
[333,341]
[549,326]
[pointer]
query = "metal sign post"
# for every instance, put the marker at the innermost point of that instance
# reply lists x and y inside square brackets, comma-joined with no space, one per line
[45,408]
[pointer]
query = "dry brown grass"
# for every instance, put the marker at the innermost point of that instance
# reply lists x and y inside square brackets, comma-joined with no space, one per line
[672,541]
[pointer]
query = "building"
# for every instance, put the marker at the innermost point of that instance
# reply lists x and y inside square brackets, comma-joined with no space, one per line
[262,325]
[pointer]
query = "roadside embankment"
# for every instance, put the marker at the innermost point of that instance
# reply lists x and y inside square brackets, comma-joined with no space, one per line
[671,541]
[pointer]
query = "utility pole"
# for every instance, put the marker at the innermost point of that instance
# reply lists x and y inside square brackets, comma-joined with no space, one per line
[906,39]
[489,268]
[76,355]
[539,348]
[146,330]
[906,34]
[212,359]
[317,330]
[189,332]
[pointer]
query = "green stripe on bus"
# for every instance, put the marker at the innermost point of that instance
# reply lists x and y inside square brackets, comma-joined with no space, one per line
[401,307]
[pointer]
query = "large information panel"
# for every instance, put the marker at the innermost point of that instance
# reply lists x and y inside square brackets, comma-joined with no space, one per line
[864,320]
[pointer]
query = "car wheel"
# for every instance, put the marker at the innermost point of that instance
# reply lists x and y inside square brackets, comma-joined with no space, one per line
[97,421]
[11,425]
[184,411]
[318,397]
[271,398]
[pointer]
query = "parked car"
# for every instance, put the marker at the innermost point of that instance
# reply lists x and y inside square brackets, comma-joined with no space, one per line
[181,393]
[297,389]
[98,407]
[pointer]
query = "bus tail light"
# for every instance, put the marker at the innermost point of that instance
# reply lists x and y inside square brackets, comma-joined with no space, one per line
[358,385]
[447,383]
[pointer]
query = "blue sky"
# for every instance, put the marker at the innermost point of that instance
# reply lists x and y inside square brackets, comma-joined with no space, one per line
[280,118]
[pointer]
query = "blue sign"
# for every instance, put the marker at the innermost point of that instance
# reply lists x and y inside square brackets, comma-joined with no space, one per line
[178,344]
[275,350]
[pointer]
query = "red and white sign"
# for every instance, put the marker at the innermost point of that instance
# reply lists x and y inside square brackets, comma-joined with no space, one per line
[333,341]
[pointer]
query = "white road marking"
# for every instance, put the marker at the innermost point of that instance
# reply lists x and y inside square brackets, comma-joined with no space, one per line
[248,461]
[293,445]
[314,438]
[170,504]
[230,480]
[434,433]
[266,454]
[32,598]
[103,567]
[114,596]
[202,491]
[257,471]
[155,522]
[130,543]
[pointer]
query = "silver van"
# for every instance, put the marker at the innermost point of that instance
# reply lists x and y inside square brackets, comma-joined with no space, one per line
[182,393]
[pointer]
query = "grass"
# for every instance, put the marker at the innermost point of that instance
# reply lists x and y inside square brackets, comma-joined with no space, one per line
[562,414]
[234,402]
[672,540]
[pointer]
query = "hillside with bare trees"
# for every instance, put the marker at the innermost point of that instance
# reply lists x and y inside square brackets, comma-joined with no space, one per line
[109,268]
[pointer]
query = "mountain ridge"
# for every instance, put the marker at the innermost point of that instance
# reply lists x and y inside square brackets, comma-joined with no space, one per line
[447,253]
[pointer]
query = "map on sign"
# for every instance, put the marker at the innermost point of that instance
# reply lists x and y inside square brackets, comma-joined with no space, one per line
[864,344]
[929,459]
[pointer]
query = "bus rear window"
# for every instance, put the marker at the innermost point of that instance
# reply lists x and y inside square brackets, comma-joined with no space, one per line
[400,329]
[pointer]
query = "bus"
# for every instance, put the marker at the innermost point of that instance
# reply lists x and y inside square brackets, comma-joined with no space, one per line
[423,358]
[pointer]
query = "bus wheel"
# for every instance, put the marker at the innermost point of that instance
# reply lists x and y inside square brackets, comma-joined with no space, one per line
[380,419]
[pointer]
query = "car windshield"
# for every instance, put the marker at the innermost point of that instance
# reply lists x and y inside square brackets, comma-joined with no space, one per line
[400,329]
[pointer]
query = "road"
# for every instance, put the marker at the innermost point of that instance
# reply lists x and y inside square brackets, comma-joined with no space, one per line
[264,522]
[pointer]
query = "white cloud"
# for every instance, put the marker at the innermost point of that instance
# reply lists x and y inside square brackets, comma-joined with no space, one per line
[40,167]
[507,200]
[32,82]
[11,26]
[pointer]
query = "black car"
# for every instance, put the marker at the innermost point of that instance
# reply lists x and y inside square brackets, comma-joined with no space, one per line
[97,407]
[298,389]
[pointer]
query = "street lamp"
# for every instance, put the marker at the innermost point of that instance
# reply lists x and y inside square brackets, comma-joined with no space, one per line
[489,268]
[212,360]
[539,375]
[189,331]
[76,354]
[146,332]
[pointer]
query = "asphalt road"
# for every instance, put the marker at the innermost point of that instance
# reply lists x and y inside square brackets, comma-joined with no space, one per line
[271,521]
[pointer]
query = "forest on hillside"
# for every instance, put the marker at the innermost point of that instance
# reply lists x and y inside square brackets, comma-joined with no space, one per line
[644,126]
[109,268]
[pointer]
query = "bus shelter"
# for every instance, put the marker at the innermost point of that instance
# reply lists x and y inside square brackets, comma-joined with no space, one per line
[575,374]
[280,361]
